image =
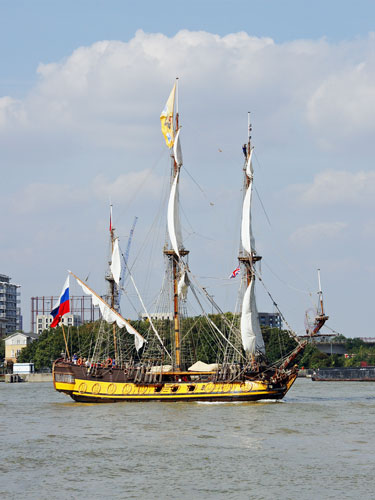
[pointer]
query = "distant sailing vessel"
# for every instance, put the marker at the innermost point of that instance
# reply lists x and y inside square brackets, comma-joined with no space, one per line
[180,357]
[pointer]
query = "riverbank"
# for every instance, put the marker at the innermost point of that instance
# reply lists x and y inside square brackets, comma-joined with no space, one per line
[26,377]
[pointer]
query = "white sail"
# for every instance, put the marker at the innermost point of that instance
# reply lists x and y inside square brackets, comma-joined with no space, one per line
[250,328]
[249,165]
[177,149]
[247,237]
[183,286]
[116,262]
[174,227]
[110,315]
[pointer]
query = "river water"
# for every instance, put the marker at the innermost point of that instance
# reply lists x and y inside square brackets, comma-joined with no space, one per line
[318,443]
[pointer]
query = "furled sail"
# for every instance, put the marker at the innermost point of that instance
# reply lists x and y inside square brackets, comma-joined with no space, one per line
[174,226]
[249,165]
[110,315]
[177,151]
[183,286]
[247,237]
[116,262]
[251,334]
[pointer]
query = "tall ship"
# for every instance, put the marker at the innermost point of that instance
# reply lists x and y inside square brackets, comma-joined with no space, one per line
[177,353]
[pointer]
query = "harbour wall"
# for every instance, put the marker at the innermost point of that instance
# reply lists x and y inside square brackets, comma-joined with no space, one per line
[26,377]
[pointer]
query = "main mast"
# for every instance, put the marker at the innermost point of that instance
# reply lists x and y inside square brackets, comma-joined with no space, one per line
[170,130]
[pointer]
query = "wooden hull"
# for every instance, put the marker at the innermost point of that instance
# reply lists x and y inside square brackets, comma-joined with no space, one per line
[111,388]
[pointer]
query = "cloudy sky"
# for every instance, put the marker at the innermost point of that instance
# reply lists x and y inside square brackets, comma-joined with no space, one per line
[82,84]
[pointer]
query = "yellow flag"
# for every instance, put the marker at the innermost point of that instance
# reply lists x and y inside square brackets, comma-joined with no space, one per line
[166,119]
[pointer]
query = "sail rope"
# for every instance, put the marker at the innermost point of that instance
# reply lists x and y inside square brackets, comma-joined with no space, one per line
[289,329]
[213,324]
[199,187]
[146,311]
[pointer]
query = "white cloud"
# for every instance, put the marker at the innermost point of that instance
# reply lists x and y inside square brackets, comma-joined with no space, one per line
[337,186]
[35,197]
[111,93]
[313,233]
[127,186]
[91,123]
[342,107]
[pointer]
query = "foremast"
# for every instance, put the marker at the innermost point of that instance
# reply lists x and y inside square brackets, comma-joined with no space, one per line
[113,287]
[175,251]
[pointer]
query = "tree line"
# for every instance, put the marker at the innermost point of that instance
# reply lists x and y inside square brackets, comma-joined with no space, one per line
[50,346]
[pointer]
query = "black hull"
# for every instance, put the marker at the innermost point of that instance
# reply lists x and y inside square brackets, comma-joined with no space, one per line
[212,399]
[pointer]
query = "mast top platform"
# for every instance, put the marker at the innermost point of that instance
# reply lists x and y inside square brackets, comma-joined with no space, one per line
[172,252]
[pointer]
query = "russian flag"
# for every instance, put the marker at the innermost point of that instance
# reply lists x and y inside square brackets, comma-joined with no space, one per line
[62,306]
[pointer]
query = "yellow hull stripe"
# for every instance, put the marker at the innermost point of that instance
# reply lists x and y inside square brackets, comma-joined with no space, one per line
[109,390]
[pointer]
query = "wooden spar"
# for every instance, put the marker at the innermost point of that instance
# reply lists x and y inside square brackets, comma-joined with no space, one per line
[106,303]
[66,343]
[176,316]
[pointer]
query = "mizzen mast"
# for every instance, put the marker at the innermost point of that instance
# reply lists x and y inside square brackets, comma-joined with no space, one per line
[248,258]
[252,340]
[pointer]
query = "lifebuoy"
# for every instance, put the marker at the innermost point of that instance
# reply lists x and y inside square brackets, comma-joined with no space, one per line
[82,388]
[108,362]
[127,389]
[79,361]
[96,388]
[111,389]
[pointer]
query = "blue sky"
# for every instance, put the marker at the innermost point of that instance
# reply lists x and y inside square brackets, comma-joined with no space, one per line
[47,30]
[82,84]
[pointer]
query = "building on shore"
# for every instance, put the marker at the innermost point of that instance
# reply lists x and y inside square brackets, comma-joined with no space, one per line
[10,309]
[157,316]
[81,309]
[272,320]
[43,321]
[15,343]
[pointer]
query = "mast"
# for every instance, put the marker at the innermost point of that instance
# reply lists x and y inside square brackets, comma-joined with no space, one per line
[251,335]
[174,254]
[321,317]
[112,290]
[248,260]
